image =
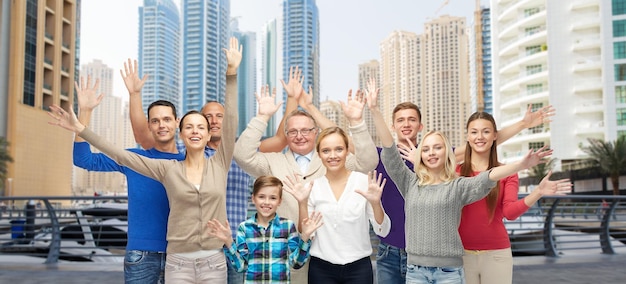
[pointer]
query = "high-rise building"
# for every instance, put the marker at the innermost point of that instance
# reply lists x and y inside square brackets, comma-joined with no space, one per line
[38,62]
[568,56]
[109,122]
[159,51]
[400,72]
[480,61]
[301,43]
[445,103]
[205,25]
[369,70]
[246,76]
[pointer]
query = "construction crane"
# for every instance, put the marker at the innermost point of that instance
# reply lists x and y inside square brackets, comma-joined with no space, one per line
[441,7]
[438,10]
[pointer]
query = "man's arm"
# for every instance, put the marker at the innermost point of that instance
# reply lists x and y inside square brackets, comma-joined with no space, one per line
[365,157]
[138,120]
[306,102]
[530,119]
[246,154]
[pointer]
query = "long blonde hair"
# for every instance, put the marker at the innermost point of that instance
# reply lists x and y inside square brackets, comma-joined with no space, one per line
[423,173]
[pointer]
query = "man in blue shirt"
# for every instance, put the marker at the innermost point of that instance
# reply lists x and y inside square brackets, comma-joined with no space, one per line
[148,206]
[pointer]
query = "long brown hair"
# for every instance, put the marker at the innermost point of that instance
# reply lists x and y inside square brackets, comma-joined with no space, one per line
[466,167]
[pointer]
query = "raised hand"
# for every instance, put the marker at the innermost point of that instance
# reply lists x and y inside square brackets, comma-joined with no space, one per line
[374,188]
[294,186]
[130,75]
[267,103]
[533,158]
[306,99]
[233,56]
[353,108]
[408,152]
[538,117]
[64,119]
[87,96]
[371,94]
[310,225]
[554,187]
[220,231]
[293,87]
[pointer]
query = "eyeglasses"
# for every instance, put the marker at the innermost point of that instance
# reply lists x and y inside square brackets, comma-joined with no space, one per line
[304,132]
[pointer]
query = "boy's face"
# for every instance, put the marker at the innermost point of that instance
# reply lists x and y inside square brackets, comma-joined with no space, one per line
[266,201]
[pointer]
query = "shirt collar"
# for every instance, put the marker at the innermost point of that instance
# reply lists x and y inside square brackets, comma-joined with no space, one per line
[308,156]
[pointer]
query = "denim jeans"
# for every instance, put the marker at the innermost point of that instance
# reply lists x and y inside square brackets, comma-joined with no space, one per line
[390,264]
[416,274]
[144,267]
[234,277]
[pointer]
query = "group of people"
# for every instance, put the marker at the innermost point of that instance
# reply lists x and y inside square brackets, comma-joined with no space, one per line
[437,210]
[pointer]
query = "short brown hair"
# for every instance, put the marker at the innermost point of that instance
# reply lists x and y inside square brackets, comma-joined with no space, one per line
[267,181]
[407,105]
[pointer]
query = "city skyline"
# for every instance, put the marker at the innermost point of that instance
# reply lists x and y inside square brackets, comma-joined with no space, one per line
[342,49]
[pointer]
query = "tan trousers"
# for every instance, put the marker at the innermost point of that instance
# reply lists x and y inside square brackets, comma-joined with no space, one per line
[211,269]
[300,276]
[488,266]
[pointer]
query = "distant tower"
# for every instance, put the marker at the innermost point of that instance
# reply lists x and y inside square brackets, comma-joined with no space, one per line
[301,43]
[269,67]
[107,120]
[205,34]
[159,52]
[333,111]
[445,103]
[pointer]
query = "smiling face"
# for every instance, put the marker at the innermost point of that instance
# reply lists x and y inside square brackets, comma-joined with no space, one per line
[162,123]
[406,124]
[266,200]
[481,135]
[301,144]
[332,148]
[214,113]
[194,130]
[434,152]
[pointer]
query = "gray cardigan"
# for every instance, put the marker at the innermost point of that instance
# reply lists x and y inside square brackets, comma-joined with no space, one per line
[433,212]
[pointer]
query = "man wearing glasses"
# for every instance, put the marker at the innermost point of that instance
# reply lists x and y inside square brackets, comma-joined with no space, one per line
[301,158]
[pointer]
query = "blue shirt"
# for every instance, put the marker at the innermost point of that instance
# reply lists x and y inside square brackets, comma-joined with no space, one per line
[148,206]
[237,190]
[268,253]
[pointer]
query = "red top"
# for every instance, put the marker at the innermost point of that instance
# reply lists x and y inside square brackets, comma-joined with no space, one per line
[476,232]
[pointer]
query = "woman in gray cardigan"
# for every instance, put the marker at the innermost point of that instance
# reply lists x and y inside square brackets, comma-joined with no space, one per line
[434,196]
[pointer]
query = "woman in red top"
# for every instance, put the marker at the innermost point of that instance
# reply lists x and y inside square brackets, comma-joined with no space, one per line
[488,257]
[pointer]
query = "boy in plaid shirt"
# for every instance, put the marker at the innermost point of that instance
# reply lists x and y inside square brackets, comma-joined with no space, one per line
[267,246]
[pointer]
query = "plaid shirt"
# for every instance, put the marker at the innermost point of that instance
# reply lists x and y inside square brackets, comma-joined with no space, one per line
[237,190]
[268,252]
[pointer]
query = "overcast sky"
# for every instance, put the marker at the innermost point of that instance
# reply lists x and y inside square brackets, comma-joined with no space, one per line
[350,31]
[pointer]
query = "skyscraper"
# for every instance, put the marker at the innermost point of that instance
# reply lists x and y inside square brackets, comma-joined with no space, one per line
[269,67]
[480,61]
[159,51]
[205,34]
[40,62]
[301,43]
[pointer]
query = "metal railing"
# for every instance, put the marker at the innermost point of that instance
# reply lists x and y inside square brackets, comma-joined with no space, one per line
[53,229]
[93,229]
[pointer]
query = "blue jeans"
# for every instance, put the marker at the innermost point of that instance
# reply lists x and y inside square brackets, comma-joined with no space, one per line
[144,267]
[234,277]
[416,274]
[390,264]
